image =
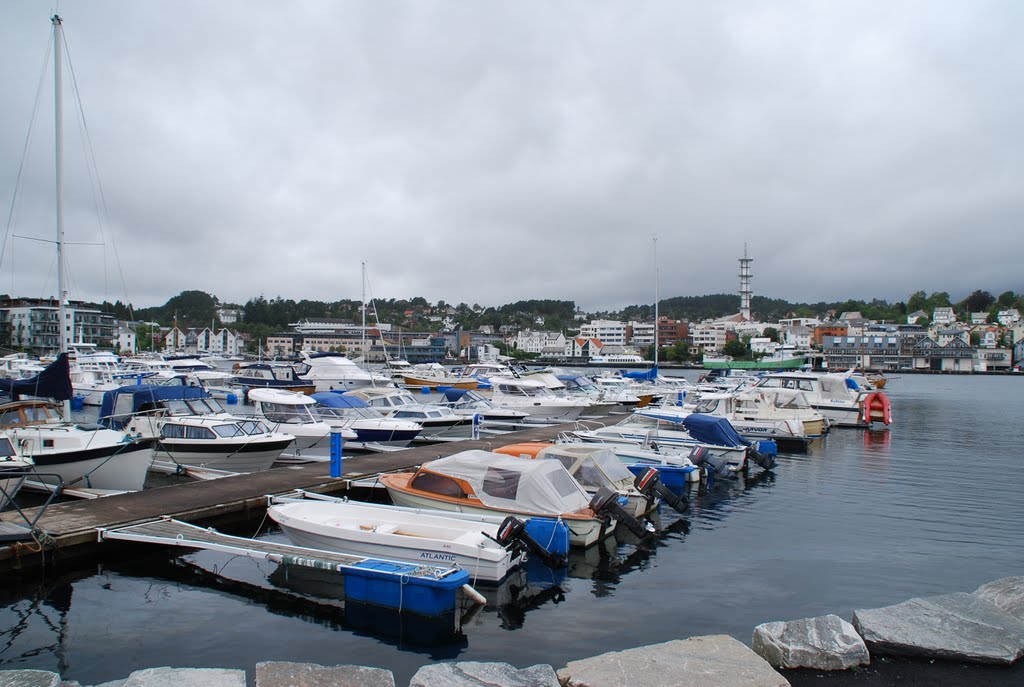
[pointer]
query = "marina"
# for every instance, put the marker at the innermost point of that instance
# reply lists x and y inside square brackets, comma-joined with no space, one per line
[863,518]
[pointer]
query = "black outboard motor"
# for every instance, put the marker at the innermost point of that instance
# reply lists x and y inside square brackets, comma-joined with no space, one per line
[606,501]
[649,483]
[716,465]
[512,535]
[763,460]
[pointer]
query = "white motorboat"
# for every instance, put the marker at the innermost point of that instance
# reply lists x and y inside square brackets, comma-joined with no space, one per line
[296,414]
[373,429]
[192,428]
[752,416]
[490,483]
[335,372]
[439,422]
[831,394]
[398,534]
[532,396]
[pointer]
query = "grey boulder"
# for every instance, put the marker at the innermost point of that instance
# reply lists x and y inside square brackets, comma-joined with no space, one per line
[959,627]
[289,674]
[1007,594]
[480,674]
[823,643]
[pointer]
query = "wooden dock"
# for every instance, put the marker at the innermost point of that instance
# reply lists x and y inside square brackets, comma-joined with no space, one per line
[70,528]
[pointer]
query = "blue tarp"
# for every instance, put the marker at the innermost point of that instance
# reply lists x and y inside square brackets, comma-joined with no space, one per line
[851,383]
[53,382]
[332,399]
[142,394]
[708,429]
[648,375]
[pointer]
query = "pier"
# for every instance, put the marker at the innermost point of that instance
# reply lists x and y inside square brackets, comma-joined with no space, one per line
[69,529]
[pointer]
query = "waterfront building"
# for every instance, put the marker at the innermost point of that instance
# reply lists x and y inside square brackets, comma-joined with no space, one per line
[708,337]
[608,331]
[671,331]
[582,348]
[955,355]
[798,336]
[993,359]
[31,325]
[539,342]
[867,352]
[206,340]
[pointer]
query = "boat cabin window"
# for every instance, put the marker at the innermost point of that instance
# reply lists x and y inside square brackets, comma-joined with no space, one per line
[290,414]
[6,448]
[437,484]
[199,433]
[502,484]
[252,427]
[170,431]
[708,405]
[564,483]
[228,431]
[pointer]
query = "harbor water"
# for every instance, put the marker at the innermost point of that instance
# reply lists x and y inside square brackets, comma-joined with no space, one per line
[863,519]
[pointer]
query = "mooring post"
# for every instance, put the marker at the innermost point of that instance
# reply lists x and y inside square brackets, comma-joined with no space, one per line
[337,444]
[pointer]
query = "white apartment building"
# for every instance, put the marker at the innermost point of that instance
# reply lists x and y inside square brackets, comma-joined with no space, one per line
[32,325]
[798,336]
[709,337]
[610,332]
[223,341]
[643,333]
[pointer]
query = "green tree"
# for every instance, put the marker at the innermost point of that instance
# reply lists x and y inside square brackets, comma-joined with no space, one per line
[736,348]
[679,352]
[771,333]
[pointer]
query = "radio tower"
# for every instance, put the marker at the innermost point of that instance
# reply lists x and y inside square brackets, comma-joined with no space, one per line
[745,292]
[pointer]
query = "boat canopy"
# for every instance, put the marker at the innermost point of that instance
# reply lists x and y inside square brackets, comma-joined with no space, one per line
[591,466]
[648,375]
[142,395]
[510,483]
[54,381]
[332,399]
[452,394]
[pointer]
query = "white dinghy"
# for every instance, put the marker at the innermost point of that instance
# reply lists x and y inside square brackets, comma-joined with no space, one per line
[393,533]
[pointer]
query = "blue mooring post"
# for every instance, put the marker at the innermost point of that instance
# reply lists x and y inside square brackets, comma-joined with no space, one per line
[682,395]
[476,425]
[337,444]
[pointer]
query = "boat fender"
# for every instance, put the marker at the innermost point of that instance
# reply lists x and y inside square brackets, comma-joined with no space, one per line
[513,535]
[649,483]
[606,502]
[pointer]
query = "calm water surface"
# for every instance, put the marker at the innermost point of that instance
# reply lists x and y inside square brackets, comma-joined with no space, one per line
[864,519]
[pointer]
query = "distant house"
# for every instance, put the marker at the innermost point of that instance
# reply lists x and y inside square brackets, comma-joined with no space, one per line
[913,317]
[1008,318]
[583,347]
[943,316]
[979,317]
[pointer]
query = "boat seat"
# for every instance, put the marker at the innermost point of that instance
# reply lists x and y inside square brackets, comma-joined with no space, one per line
[379,528]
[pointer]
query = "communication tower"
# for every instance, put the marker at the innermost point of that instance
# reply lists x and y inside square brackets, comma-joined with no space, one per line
[745,292]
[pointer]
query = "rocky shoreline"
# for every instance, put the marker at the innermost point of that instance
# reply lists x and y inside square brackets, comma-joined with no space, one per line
[973,639]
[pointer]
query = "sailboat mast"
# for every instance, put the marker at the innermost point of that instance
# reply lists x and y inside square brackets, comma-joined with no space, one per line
[58,117]
[365,357]
[656,299]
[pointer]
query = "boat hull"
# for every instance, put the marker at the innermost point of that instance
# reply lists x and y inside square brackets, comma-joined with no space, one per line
[242,457]
[117,467]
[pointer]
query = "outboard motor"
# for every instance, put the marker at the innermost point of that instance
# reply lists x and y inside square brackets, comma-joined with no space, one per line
[763,453]
[649,483]
[606,502]
[512,535]
[716,465]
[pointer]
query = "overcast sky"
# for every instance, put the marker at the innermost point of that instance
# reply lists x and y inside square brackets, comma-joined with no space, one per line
[488,152]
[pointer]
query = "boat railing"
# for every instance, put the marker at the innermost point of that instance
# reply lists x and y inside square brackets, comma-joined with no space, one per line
[16,531]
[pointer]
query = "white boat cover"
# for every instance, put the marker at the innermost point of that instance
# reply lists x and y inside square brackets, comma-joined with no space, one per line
[510,483]
[597,467]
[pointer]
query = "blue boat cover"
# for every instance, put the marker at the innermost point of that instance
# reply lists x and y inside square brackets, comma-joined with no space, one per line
[648,375]
[333,399]
[142,394]
[452,394]
[54,381]
[851,383]
[717,431]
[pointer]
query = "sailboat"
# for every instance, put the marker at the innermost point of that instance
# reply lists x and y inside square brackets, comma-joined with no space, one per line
[75,454]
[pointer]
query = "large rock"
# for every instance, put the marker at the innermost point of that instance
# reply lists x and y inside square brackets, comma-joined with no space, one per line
[824,643]
[286,674]
[1007,594]
[29,678]
[477,674]
[959,627]
[186,677]
[712,661]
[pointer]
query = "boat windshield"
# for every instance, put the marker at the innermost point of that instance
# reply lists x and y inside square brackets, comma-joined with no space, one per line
[243,428]
[290,414]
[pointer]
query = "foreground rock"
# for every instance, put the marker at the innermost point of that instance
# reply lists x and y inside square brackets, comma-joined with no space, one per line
[29,678]
[958,627]
[287,674]
[477,674]
[186,677]
[1007,594]
[712,661]
[824,643]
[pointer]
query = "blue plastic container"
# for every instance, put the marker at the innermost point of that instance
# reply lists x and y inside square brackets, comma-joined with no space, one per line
[77,403]
[231,399]
[550,533]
